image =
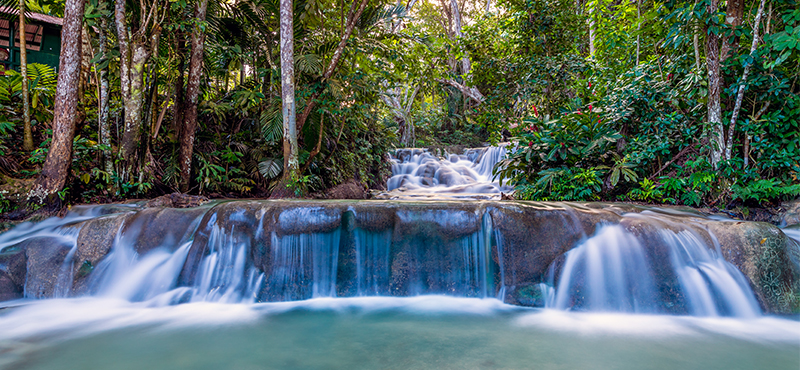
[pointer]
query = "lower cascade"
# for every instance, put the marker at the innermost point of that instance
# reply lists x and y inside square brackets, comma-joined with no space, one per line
[418,285]
[548,255]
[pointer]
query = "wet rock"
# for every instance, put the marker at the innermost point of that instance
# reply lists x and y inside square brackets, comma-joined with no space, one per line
[45,264]
[13,268]
[177,200]
[767,257]
[95,240]
[160,228]
[375,218]
[792,214]
[351,189]
[532,236]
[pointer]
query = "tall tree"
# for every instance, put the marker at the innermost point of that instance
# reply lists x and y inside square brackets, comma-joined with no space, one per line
[27,141]
[290,150]
[56,166]
[104,98]
[714,105]
[192,93]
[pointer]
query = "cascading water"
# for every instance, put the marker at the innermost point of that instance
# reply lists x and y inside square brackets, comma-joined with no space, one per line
[417,170]
[613,271]
[237,261]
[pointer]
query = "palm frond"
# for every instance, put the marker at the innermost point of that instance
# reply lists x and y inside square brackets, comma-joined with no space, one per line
[270,168]
[308,63]
[272,124]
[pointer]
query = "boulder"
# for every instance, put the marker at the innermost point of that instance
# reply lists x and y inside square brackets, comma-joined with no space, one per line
[94,241]
[767,257]
[46,272]
[791,215]
[350,189]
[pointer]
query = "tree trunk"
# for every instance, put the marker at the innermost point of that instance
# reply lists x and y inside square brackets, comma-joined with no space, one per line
[192,94]
[638,28]
[696,43]
[465,63]
[86,66]
[27,140]
[57,164]
[134,104]
[290,128]
[714,105]
[740,94]
[178,90]
[591,31]
[103,109]
[733,17]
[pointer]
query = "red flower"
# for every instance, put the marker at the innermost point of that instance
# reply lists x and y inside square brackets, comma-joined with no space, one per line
[590,107]
[599,120]
[530,143]
[535,112]
[590,85]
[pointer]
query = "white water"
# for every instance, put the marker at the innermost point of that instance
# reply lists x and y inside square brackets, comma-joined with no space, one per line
[418,171]
[612,271]
[427,332]
[192,302]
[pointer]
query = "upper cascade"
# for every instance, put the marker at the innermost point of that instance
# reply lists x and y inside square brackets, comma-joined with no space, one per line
[416,170]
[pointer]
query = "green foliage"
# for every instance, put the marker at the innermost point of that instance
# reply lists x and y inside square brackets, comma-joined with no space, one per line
[215,177]
[647,192]
[567,184]
[5,203]
[765,189]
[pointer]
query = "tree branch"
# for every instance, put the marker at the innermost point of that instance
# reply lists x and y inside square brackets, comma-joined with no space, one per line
[471,92]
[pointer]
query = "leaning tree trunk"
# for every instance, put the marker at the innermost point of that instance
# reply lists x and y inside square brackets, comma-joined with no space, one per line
[27,140]
[192,93]
[56,166]
[714,105]
[743,83]
[290,150]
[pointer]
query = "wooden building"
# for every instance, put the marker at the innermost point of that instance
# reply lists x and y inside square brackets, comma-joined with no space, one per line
[42,36]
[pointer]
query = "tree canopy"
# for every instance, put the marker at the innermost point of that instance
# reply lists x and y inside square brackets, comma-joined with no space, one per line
[685,102]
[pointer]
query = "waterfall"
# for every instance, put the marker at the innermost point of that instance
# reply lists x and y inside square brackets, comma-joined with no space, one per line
[615,270]
[418,170]
[540,254]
